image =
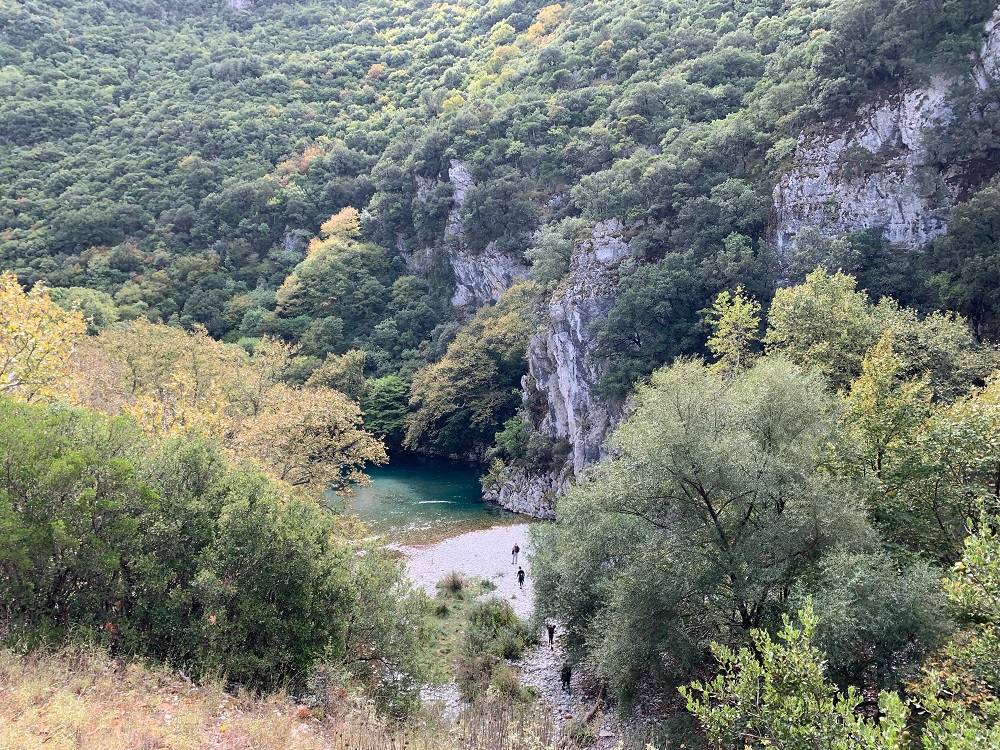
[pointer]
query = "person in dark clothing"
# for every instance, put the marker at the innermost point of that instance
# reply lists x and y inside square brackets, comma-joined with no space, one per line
[550,627]
[520,577]
[566,676]
[513,554]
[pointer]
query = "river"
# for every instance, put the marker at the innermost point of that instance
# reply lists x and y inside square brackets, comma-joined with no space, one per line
[415,500]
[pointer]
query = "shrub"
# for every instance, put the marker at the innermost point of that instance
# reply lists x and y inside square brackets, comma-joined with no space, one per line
[452,584]
[166,550]
[493,633]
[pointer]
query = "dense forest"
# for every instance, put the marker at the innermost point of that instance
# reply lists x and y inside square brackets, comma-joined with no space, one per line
[177,159]
[251,247]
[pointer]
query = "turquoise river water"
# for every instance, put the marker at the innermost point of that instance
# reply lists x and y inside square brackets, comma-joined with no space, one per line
[418,500]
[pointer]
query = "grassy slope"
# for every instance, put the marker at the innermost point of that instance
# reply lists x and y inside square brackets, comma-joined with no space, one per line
[81,699]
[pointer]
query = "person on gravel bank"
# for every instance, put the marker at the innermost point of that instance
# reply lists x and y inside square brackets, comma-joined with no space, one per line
[513,554]
[550,628]
[566,676]
[520,577]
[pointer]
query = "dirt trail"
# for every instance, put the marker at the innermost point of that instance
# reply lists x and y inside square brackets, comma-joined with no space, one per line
[486,554]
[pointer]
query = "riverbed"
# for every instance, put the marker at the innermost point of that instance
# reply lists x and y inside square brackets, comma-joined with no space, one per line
[484,554]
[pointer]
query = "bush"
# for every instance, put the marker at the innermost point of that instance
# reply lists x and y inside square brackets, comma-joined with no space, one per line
[452,584]
[168,551]
[493,633]
[506,686]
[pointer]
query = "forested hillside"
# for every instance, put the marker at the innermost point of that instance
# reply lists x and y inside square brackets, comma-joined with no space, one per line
[712,284]
[177,157]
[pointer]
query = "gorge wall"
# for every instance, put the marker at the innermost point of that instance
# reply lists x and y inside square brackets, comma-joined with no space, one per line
[875,171]
[564,371]
[480,278]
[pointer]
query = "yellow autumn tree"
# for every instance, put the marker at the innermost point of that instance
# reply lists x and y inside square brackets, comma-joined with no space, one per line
[735,322]
[37,338]
[310,438]
[173,380]
[343,225]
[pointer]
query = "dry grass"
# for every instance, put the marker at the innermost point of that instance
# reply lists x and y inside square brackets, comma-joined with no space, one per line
[82,700]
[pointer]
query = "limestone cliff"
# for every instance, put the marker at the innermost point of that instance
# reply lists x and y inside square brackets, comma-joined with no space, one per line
[480,278]
[875,172]
[562,364]
[563,372]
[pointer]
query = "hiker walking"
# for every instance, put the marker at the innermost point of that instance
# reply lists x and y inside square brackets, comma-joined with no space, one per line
[513,554]
[520,577]
[565,676]
[550,628]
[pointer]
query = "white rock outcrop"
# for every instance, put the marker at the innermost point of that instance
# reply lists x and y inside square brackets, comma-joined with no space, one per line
[563,372]
[529,492]
[875,171]
[561,359]
[480,278]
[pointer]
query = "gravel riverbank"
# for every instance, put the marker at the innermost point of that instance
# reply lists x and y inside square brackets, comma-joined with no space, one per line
[477,554]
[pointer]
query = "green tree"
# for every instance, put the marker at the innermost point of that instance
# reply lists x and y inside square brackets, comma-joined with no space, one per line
[459,402]
[959,689]
[165,549]
[343,372]
[711,507]
[940,484]
[966,261]
[879,614]
[657,315]
[552,248]
[883,411]
[98,308]
[385,406]
[824,323]
[735,322]
[776,695]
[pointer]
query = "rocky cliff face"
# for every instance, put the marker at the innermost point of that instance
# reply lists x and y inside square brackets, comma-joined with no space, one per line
[561,361]
[563,372]
[480,278]
[875,172]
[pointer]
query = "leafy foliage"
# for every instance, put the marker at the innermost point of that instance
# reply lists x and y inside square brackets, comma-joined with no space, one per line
[711,508]
[167,550]
[493,633]
[461,400]
[36,340]
[735,322]
[777,695]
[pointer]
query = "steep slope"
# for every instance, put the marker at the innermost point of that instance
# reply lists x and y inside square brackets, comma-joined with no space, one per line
[177,157]
[871,171]
[875,171]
